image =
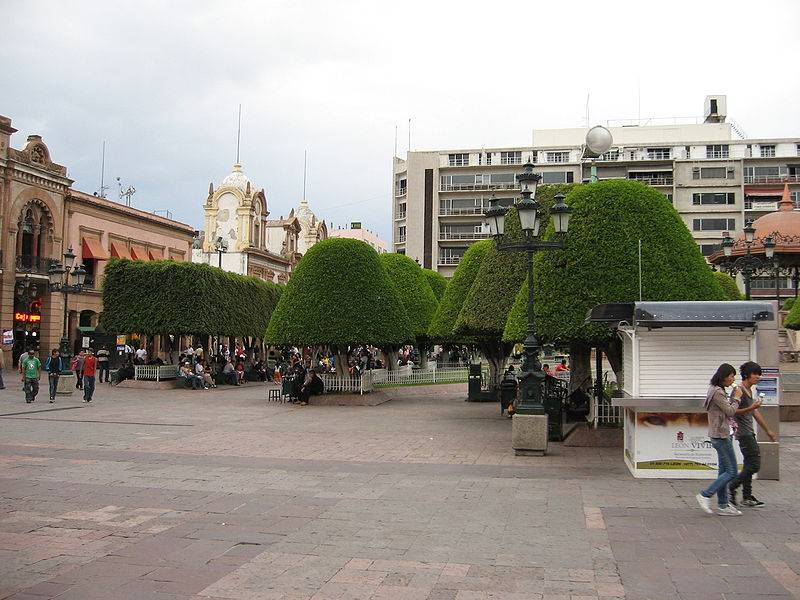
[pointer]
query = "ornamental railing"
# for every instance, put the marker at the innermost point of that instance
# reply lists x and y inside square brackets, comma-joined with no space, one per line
[154,372]
[34,264]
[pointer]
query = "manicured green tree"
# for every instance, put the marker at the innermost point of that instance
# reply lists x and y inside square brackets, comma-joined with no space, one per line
[601,264]
[486,307]
[728,284]
[416,296]
[437,282]
[168,297]
[443,324]
[788,304]
[792,320]
[340,295]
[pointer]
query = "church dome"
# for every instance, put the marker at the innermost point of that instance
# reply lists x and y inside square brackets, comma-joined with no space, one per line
[236,179]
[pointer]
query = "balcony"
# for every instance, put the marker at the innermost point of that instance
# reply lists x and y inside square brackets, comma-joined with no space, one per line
[401,239]
[400,192]
[477,187]
[34,264]
[462,235]
[454,212]
[511,160]
[717,154]
[653,181]
[760,206]
[400,214]
[659,154]
[449,260]
[771,179]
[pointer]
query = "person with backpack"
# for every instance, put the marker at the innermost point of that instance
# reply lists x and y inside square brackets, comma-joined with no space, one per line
[53,366]
[29,366]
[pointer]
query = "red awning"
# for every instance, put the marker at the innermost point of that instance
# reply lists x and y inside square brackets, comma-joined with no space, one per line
[93,249]
[156,254]
[120,250]
[139,253]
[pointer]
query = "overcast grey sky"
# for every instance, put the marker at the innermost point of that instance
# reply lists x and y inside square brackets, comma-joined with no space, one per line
[161,82]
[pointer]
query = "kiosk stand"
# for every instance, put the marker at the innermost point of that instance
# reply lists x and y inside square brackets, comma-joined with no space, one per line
[670,352]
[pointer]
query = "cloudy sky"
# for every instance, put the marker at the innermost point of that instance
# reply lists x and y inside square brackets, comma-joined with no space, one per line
[161,83]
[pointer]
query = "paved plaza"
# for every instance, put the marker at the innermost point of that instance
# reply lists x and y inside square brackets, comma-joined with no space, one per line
[211,495]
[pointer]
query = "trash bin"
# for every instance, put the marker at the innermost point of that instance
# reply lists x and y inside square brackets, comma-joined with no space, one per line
[474,383]
[508,393]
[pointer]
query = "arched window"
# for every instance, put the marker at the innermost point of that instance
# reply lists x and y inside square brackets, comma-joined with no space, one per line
[32,231]
[256,238]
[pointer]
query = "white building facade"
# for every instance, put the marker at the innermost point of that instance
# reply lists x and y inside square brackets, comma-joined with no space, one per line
[715,180]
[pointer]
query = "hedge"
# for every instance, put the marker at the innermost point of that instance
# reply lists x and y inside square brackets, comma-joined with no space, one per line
[442,327]
[600,262]
[167,297]
[339,294]
[437,282]
[728,284]
[415,292]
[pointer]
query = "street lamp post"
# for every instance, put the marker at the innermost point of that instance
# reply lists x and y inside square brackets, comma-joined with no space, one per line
[60,282]
[748,265]
[221,247]
[532,378]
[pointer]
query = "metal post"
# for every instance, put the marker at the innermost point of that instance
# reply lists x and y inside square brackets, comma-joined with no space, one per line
[66,354]
[532,377]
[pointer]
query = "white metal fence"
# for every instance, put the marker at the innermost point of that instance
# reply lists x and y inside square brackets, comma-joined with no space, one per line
[154,372]
[355,385]
[408,376]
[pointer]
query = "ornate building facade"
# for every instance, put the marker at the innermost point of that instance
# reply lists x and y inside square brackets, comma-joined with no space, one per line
[41,218]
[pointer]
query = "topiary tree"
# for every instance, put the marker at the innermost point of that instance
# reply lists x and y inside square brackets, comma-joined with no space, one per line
[486,307]
[443,324]
[600,264]
[728,284]
[788,304]
[792,320]
[340,295]
[168,297]
[416,296]
[437,282]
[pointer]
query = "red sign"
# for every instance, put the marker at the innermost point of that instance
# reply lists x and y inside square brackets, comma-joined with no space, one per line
[27,317]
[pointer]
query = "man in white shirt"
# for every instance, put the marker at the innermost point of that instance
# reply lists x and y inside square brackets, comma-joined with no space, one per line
[141,355]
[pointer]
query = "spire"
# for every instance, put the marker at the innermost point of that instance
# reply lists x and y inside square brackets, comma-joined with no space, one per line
[786,200]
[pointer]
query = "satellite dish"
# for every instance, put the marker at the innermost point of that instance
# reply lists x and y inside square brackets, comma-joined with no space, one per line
[598,141]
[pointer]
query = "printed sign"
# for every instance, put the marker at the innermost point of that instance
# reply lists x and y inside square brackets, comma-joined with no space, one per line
[770,386]
[85,342]
[8,337]
[121,340]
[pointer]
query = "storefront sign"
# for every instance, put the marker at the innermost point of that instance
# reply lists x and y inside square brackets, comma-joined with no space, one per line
[27,317]
[770,386]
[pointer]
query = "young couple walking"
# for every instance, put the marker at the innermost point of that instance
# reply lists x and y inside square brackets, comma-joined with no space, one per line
[735,411]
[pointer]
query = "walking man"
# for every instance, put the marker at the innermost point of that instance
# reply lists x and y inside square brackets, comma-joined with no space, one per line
[29,366]
[89,369]
[102,363]
[746,436]
[53,367]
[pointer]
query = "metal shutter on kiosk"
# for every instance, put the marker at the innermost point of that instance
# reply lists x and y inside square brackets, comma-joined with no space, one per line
[681,361]
[627,362]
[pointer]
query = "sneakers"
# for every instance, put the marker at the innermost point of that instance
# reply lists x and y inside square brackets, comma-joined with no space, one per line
[729,511]
[734,499]
[752,502]
[705,503]
[52,400]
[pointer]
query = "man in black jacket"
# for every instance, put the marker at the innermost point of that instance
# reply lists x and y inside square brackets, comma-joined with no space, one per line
[53,365]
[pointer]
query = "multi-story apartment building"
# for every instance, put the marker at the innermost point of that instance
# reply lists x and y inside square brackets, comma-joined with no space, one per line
[715,180]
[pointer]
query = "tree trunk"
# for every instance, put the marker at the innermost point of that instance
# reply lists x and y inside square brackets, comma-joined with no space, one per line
[341,362]
[495,354]
[614,356]
[423,355]
[580,356]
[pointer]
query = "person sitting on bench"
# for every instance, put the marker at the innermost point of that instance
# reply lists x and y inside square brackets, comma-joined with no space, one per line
[229,372]
[313,386]
[190,378]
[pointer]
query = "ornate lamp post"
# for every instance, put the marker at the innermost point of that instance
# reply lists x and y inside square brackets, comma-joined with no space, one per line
[748,265]
[532,379]
[60,282]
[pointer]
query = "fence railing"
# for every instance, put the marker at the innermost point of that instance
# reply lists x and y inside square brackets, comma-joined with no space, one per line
[356,385]
[431,375]
[154,372]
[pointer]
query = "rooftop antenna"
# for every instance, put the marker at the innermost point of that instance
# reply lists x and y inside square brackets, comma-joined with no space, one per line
[127,193]
[395,141]
[238,134]
[103,187]
[305,158]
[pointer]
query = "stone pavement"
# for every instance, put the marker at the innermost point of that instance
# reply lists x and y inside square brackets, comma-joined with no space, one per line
[211,495]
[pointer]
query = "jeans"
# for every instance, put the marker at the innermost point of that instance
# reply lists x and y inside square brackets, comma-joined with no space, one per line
[88,387]
[103,366]
[752,464]
[79,379]
[2,383]
[727,470]
[53,379]
[31,387]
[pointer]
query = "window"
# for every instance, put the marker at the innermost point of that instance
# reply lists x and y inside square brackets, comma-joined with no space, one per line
[401,234]
[709,249]
[462,206]
[768,151]
[402,187]
[714,198]
[768,283]
[712,173]
[458,160]
[669,197]
[451,256]
[557,177]
[717,151]
[652,177]
[557,157]
[713,224]
[659,153]
[688,151]
[488,158]
[612,154]
[462,232]
[511,158]
[478,181]
[766,174]
[401,211]
[797,146]
[90,266]
[795,196]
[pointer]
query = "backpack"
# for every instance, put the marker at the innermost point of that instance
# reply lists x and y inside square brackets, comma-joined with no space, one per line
[74,364]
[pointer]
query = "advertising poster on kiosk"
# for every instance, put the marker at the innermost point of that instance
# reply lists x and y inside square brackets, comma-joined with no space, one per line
[675,442]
